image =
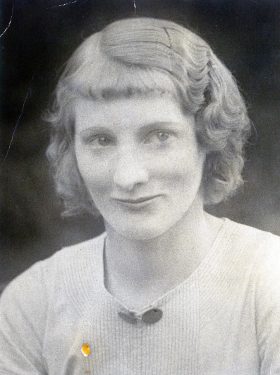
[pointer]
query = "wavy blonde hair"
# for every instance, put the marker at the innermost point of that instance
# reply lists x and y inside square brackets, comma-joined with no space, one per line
[147,56]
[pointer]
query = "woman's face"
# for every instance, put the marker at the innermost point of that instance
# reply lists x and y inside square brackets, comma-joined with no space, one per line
[140,161]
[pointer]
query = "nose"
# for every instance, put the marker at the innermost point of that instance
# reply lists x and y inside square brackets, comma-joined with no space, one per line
[129,171]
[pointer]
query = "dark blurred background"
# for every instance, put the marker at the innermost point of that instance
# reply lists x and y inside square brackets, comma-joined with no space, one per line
[41,35]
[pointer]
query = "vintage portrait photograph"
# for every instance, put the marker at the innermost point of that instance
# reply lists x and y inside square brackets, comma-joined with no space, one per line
[140,187]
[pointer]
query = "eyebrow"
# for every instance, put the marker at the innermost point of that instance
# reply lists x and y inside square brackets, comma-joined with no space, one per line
[142,129]
[159,124]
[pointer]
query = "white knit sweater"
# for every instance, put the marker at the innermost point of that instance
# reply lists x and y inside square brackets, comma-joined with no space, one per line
[223,319]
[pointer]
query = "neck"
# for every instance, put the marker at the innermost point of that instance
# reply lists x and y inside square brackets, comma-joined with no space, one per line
[160,263]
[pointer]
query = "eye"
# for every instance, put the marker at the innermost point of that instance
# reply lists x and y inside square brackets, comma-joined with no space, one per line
[163,136]
[103,140]
[99,140]
[159,136]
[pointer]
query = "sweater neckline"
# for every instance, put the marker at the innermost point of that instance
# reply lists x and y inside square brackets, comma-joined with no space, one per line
[200,271]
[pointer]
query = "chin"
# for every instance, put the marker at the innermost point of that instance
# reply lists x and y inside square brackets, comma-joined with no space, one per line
[141,233]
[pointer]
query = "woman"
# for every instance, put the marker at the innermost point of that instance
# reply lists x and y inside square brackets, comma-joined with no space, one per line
[148,127]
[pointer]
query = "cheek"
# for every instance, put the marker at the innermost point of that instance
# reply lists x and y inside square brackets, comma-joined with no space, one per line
[181,166]
[95,174]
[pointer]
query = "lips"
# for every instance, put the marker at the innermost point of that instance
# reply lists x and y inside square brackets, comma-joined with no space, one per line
[136,201]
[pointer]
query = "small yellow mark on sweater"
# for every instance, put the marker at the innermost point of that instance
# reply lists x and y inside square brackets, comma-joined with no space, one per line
[85,349]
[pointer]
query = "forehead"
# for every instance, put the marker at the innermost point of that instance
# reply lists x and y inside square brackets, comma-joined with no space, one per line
[127,113]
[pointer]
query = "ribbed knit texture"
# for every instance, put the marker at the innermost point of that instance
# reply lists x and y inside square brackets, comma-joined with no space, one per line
[223,319]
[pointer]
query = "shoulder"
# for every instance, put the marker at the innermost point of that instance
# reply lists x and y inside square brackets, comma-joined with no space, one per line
[29,303]
[75,254]
[253,240]
[85,248]
[41,279]
[248,255]
[260,251]
[258,254]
